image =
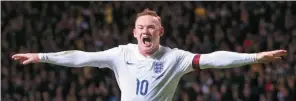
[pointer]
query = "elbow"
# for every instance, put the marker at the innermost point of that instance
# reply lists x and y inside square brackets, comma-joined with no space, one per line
[220,66]
[70,64]
[79,59]
[76,65]
[217,64]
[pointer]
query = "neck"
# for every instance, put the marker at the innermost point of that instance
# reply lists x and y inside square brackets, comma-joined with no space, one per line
[148,53]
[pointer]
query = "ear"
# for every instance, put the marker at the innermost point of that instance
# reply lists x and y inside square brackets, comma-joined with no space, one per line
[134,32]
[161,31]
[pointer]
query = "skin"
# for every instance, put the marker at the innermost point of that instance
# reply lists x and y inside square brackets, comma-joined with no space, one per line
[148,25]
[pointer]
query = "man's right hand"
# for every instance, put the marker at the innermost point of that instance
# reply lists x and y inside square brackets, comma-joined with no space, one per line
[26,58]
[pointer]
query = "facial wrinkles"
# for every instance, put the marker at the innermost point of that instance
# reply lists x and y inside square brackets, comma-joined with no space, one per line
[146,25]
[147,21]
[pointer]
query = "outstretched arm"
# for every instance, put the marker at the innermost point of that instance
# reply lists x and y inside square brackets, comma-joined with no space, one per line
[73,58]
[226,59]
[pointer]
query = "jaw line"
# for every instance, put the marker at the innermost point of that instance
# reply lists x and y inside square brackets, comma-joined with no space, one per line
[150,51]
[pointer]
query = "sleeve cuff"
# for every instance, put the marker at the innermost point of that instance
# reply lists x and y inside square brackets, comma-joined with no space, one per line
[42,57]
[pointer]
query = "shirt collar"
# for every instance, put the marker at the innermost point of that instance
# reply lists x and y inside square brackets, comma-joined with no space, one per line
[155,55]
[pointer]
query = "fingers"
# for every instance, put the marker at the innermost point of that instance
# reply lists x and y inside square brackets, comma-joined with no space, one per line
[270,59]
[277,58]
[278,53]
[21,61]
[270,56]
[27,61]
[22,58]
[17,56]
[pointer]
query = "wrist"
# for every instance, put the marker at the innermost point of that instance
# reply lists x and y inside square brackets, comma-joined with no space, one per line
[257,57]
[40,57]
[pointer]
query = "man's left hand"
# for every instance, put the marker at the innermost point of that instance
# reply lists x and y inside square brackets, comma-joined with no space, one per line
[269,56]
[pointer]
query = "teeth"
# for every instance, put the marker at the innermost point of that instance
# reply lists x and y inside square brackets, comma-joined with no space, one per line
[145,40]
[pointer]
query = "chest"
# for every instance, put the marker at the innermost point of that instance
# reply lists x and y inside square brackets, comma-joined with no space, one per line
[146,68]
[152,69]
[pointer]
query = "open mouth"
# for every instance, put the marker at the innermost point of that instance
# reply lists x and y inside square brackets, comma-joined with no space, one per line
[147,40]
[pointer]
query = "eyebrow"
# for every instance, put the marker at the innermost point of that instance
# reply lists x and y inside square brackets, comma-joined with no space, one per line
[147,26]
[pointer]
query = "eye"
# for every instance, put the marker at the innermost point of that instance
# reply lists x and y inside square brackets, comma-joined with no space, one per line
[140,27]
[151,27]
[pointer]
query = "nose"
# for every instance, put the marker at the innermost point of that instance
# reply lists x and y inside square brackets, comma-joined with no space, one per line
[145,30]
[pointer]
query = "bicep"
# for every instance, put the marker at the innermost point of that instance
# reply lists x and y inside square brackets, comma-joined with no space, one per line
[97,59]
[186,61]
[103,59]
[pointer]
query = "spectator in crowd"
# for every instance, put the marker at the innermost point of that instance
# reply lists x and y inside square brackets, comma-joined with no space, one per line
[200,27]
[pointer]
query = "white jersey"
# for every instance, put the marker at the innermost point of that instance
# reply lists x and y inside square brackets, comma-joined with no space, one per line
[153,78]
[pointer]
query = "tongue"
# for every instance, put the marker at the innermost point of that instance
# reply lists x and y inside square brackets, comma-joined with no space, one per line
[147,42]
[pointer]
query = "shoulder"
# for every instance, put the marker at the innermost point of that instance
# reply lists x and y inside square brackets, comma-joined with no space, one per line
[125,48]
[128,47]
[180,53]
[175,51]
[116,50]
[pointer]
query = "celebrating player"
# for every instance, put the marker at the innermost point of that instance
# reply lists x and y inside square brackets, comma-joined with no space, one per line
[148,71]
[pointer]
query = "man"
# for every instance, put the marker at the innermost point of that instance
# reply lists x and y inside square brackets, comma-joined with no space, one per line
[147,71]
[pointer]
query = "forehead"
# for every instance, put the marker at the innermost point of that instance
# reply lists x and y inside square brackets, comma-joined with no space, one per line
[147,20]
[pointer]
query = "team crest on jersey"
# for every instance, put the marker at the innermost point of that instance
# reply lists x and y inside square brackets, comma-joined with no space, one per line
[157,67]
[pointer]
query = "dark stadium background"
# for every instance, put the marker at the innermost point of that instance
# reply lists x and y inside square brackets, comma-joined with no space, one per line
[199,27]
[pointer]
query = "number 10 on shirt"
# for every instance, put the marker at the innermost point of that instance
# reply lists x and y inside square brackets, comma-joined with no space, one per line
[142,87]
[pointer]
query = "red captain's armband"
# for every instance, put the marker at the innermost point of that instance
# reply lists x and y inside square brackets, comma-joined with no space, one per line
[195,61]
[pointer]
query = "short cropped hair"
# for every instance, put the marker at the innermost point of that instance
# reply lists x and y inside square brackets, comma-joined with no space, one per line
[147,11]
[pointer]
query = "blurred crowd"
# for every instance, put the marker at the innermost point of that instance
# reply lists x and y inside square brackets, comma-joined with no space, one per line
[199,27]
